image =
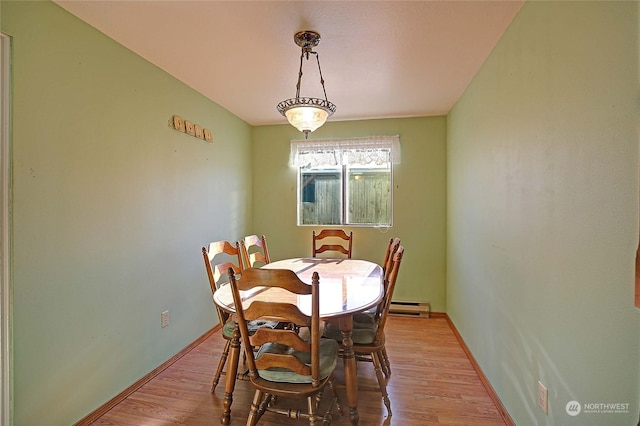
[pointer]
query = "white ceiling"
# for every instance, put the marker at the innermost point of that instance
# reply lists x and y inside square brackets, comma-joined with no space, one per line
[379,59]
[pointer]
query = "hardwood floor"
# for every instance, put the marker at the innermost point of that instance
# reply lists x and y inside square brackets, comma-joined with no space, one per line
[432,383]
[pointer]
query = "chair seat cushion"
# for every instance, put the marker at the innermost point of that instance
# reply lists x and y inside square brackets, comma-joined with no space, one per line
[328,361]
[362,334]
[363,319]
[227,329]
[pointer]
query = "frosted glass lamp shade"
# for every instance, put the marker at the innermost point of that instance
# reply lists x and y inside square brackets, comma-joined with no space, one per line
[306,118]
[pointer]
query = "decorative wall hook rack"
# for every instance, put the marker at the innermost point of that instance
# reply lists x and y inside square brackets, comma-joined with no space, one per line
[185,126]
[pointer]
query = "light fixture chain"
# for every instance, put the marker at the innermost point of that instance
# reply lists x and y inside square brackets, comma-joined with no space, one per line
[300,76]
[321,78]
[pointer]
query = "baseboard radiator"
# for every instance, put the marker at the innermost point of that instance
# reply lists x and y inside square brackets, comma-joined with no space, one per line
[414,309]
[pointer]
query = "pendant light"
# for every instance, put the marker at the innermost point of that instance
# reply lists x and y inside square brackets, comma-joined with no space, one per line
[304,113]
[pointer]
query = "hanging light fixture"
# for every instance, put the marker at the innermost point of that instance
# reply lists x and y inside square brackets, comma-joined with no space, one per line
[307,114]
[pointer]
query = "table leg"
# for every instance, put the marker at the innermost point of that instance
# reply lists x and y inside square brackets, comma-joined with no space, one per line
[230,379]
[350,378]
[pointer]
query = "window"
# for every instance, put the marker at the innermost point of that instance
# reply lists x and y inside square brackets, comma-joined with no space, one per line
[346,181]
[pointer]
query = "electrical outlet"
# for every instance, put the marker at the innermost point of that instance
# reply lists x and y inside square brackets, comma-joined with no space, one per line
[543,397]
[164,319]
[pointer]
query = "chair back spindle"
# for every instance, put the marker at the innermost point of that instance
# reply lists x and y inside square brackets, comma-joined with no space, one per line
[387,264]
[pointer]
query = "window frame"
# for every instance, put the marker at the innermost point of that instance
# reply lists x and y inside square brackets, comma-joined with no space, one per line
[343,165]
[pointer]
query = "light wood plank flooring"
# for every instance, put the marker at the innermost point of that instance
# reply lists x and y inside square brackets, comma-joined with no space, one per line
[432,383]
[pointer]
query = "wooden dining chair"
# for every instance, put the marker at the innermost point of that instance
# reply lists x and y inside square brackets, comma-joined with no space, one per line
[369,339]
[254,251]
[366,319]
[218,260]
[286,365]
[387,265]
[371,315]
[333,244]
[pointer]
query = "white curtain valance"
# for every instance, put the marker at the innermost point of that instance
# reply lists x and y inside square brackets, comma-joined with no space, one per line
[333,152]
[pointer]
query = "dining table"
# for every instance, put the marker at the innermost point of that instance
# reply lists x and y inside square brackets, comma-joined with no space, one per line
[347,287]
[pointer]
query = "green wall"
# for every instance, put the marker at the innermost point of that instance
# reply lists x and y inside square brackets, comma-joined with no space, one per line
[419,200]
[543,212]
[110,209]
[518,211]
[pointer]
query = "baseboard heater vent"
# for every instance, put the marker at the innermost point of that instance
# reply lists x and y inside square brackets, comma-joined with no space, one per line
[414,309]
